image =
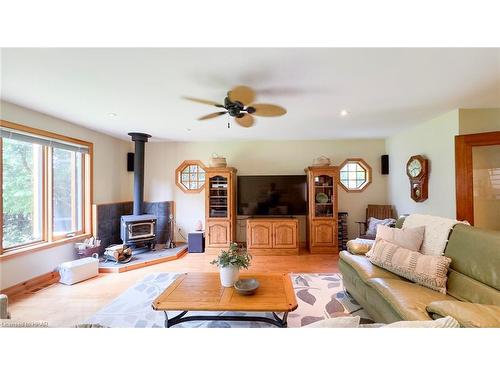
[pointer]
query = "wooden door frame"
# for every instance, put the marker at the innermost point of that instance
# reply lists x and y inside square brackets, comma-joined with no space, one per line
[463,170]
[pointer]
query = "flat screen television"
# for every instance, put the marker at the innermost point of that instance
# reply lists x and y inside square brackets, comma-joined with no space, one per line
[284,195]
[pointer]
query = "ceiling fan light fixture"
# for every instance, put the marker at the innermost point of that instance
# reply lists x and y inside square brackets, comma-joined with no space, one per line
[239,104]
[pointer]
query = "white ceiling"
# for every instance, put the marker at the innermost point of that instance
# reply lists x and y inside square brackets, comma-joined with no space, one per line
[384,90]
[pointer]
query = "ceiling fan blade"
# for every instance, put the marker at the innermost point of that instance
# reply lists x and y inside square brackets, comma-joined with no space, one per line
[268,110]
[203,101]
[246,121]
[212,115]
[242,94]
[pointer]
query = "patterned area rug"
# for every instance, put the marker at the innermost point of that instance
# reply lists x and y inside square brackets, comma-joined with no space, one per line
[319,296]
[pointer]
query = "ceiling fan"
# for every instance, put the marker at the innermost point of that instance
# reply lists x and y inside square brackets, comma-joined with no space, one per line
[239,104]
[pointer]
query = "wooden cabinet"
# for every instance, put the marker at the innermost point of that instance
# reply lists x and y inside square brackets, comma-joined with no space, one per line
[322,226]
[259,234]
[218,232]
[285,235]
[323,233]
[220,208]
[269,236]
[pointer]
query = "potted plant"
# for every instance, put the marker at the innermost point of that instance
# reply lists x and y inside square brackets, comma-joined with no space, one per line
[230,262]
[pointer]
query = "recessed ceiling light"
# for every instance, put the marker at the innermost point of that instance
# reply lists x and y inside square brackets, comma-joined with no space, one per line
[112,114]
[344,113]
[188,129]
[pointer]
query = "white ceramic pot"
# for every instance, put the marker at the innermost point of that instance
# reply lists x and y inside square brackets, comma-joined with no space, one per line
[229,275]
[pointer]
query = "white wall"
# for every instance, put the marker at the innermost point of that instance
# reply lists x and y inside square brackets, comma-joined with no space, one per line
[112,183]
[435,140]
[259,157]
[479,120]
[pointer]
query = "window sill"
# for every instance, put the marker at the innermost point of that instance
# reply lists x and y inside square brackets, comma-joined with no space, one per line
[41,246]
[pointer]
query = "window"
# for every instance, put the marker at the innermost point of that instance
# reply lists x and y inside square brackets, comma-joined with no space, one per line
[66,192]
[190,176]
[355,175]
[45,187]
[22,193]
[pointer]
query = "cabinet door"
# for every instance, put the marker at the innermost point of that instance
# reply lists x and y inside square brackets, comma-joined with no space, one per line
[218,201]
[284,235]
[218,233]
[259,235]
[324,233]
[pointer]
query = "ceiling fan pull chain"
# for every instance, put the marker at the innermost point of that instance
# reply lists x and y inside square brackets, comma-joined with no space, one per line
[229,122]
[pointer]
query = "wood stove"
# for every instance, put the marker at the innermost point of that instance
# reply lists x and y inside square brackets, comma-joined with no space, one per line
[139,229]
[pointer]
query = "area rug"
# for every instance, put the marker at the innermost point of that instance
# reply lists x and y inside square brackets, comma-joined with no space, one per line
[319,296]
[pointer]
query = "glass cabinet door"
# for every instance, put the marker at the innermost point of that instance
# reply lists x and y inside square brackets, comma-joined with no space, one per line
[218,204]
[323,196]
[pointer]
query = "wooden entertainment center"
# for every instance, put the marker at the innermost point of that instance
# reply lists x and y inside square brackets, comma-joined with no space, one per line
[272,235]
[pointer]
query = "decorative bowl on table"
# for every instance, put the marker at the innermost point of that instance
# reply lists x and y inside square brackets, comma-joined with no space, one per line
[246,286]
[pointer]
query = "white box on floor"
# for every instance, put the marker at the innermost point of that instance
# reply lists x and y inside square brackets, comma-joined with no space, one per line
[78,270]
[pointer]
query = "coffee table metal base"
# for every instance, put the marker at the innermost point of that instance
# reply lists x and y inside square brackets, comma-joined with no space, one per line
[277,321]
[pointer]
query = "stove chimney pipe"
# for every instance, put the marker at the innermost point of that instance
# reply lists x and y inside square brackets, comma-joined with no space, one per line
[139,139]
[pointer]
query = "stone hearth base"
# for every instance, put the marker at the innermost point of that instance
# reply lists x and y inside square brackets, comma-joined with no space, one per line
[143,259]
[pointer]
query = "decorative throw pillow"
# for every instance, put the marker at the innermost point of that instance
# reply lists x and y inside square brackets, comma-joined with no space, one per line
[359,246]
[445,322]
[409,238]
[437,231]
[371,229]
[427,270]
[338,322]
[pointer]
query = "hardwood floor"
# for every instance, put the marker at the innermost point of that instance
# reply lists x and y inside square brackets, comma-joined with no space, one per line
[65,306]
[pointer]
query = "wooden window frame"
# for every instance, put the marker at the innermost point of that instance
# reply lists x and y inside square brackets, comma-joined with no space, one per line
[48,238]
[464,188]
[178,173]
[73,193]
[365,166]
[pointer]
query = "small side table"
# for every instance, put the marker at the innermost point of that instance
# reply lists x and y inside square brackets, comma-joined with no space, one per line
[196,242]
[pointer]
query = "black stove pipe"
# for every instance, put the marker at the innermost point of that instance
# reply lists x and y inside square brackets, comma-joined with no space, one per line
[139,139]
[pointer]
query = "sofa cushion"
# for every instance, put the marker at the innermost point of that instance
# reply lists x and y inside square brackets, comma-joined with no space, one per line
[475,253]
[364,268]
[465,288]
[444,322]
[426,270]
[409,300]
[359,246]
[468,314]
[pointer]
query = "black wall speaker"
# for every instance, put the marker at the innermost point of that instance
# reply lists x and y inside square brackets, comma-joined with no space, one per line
[130,162]
[384,159]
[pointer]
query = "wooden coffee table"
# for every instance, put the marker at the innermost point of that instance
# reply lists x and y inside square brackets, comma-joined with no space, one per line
[204,292]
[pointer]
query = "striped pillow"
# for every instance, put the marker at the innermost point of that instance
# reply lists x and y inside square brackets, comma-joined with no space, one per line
[427,270]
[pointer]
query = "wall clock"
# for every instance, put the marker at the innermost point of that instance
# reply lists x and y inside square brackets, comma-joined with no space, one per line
[417,169]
